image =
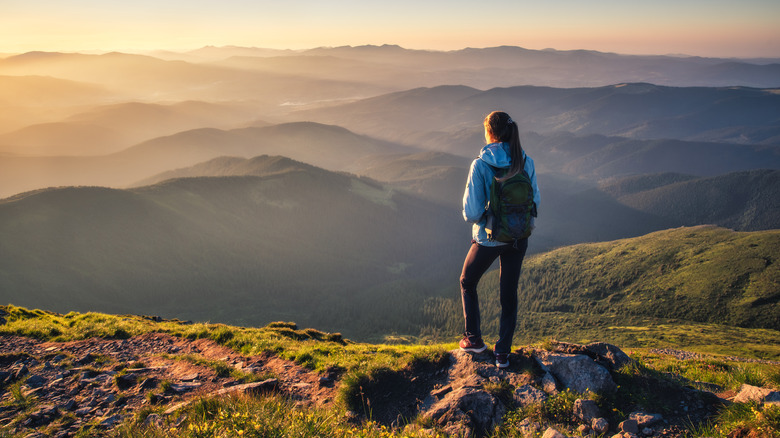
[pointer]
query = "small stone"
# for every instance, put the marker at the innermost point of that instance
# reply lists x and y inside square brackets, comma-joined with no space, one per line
[644,420]
[549,384]
[153,419]
[629,426]
[87,358]
[583,429]
[647,431]
[190,377]
[600,425]
[552,433]
[351,416]
[149,383]
[180,388]
[21,372]
[35,381]
[586,410]
[125,381]
[111,421]
[528,427]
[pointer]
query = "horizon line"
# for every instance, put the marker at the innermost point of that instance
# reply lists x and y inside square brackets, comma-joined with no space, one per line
[184,51]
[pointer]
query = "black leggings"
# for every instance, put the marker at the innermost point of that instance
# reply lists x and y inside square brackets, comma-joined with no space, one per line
[478,260]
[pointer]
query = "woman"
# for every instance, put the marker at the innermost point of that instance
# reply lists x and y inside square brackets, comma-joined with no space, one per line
[503,151]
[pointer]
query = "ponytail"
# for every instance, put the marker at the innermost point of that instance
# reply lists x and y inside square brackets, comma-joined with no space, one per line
[499,126]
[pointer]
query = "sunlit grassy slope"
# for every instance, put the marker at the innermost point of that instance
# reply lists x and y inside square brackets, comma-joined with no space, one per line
[697,287]
[365,365]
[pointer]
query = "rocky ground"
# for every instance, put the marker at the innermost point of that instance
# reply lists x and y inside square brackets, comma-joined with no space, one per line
[102,382]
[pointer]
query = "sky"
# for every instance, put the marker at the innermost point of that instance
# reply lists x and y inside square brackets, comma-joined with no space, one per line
[712,28]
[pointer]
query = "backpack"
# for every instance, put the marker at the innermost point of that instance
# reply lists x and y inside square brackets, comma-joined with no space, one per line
[510,208]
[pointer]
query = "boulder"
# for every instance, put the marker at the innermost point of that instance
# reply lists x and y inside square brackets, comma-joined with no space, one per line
[577,372]
[748,393]
[612,355]
[475,408]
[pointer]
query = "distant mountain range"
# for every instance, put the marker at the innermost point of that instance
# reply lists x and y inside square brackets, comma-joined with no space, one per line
[639,111]
[276,81]
[593,133]
[106,129]
[499,66]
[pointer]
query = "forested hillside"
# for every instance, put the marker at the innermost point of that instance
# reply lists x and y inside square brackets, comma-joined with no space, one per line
[746,201]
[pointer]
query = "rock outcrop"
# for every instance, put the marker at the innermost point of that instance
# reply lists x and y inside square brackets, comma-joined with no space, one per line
[469,401]
[577,372]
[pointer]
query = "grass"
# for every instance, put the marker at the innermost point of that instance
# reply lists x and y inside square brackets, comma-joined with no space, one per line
[556,410]
[726,373]
[18,398]
[242,416]
[742,419]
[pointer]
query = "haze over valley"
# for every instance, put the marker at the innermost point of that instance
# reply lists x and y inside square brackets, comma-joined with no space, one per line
[323,186]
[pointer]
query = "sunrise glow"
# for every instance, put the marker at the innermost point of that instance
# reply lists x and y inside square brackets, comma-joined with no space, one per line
[701,28]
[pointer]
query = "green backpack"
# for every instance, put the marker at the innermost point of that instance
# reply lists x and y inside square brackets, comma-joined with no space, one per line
[510,209]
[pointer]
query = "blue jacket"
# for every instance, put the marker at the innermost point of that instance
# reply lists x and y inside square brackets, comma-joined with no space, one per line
[481,174]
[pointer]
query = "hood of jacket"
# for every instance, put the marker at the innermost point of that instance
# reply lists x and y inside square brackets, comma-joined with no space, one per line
[497,155]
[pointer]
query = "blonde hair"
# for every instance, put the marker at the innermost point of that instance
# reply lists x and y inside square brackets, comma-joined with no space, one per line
[499,126]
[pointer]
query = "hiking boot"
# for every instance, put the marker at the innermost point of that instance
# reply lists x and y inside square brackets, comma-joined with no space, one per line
[472,344]
[502,360]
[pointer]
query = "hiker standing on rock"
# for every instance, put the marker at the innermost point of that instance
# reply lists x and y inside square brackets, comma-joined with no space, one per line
[501,163]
